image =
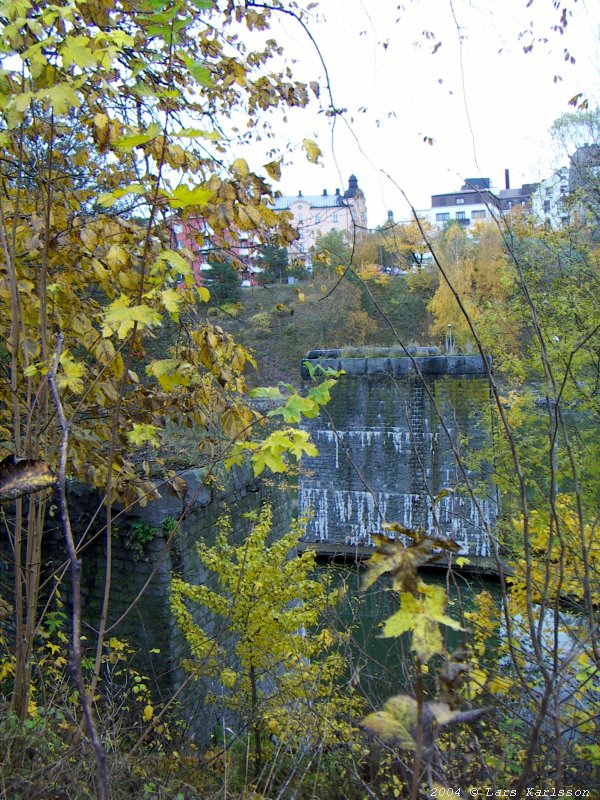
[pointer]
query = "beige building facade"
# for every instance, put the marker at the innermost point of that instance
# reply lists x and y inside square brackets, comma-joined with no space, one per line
[317,215]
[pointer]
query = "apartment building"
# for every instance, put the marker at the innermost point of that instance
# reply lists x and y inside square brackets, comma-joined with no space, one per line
[476,201]
[318,214]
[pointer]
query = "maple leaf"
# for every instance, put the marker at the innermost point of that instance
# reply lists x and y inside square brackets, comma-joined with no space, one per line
[61,97]
[120,317]
[183,197]
[170,372]
[172,300]
[131,140]
[76,51]
[295,407]
[396,721]
[422,615]
[142,433]
[72,374]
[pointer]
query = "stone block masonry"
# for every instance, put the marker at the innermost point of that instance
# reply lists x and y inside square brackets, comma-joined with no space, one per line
[397,433]
[141,572]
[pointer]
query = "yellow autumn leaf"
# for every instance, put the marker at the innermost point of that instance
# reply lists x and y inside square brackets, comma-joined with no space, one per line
[120,317]
[477,680]
[117,257]
[171,299]
[148,712]
[89,238]
[396,721]
[273,169]
[240,168]
[203,294]
[71,374]
[422,616]
[77,51]
[142,434]
[312,150]
[170,373]
[6,669]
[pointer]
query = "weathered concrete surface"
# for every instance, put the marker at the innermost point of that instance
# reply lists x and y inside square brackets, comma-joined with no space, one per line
[392,438]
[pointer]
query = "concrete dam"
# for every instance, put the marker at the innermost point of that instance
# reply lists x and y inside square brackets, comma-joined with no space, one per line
[397,433]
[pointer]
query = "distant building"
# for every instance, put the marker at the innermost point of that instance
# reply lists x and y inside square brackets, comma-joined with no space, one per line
[476,201]
[550,200]
[584,184]
[571,195]
[316,215]
[196,235]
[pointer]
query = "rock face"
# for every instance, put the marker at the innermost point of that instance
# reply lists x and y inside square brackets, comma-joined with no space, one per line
[397,432]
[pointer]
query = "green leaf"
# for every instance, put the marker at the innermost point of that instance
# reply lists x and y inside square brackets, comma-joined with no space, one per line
[320,394]
[295,408]
[197,133]
[199,71]
[271,392]
[129,141]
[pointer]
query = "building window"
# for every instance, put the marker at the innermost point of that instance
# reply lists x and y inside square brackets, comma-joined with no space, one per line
[442,217]
[478,214]
[460,201]
[546,206]
[335,217]
[461,215]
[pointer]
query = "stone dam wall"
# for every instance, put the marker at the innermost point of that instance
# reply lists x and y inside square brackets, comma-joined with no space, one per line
[392,438]
[141,573]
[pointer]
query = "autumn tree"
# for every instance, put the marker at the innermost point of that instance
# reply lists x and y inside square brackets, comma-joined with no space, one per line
[404,245]
[332,250]
[116,119]
[276,671]
[479,271]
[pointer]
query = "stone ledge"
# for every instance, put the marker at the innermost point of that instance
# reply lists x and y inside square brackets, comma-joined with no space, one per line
[397,367]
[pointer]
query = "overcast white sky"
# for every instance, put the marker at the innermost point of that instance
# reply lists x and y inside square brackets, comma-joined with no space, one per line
[486,104]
